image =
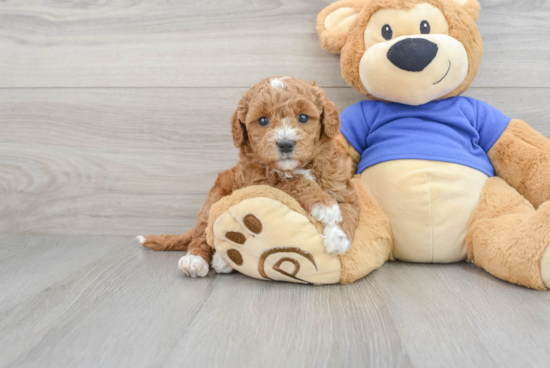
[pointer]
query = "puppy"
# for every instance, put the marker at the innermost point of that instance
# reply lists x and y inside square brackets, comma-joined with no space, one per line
[286,130]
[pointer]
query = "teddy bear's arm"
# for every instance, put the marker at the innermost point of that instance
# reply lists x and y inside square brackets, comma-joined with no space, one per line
[521,156]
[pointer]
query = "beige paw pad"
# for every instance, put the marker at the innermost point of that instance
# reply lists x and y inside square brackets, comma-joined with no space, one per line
[264,239]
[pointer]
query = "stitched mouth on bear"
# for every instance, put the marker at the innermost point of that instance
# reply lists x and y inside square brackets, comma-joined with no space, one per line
[439,81]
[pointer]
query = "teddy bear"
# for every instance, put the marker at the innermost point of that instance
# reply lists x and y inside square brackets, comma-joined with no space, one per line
[456,178]
[441,178]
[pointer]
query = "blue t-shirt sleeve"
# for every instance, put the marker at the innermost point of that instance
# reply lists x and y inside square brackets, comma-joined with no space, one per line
[355,127]
[489,122]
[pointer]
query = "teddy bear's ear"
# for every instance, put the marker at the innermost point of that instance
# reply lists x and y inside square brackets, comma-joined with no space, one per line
[472,7]
[334,22]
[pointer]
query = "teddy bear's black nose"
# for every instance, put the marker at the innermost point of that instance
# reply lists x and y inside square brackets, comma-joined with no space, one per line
[412,54]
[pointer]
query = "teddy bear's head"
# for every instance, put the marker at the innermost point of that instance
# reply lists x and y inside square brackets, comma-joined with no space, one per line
[406,51]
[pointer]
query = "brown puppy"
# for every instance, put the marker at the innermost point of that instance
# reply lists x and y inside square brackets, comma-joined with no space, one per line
[285,129]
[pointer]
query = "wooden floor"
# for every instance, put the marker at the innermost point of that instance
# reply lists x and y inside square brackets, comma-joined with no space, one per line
[114,120]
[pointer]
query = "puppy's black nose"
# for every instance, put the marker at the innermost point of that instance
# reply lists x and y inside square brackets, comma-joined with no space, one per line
[286,146]
[412,54]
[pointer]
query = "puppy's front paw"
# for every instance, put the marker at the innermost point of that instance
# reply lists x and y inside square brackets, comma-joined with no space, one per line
[327,215]
[336,240]
[220,265]
[193,266]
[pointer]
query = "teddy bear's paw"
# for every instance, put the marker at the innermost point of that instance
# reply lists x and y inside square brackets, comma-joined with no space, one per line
[327,215]
[193,266]
[265,239]
[336,240]
[220,265]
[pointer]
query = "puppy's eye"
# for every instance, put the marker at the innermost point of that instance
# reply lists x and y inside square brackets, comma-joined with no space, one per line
[263,121]
[303,118]
[425,27]
[387,32]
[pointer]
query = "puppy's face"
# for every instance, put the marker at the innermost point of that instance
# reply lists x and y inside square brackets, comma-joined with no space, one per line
[283,122]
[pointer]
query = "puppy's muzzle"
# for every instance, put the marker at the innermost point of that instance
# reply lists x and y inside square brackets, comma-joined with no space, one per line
[286,146]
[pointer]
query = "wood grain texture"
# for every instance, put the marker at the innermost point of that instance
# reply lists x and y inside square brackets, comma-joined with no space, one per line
[29,264]
[143,43]
[126,306]
[133,161]
[136,155]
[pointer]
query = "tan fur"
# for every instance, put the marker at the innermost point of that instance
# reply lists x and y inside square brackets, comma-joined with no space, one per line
[169,242]
[521,156]
[352,152]
[352,45]
[507,237]
[471,7]
[259,157]
[333,42]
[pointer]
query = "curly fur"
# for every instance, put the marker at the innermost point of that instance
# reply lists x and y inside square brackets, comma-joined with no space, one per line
[316,153]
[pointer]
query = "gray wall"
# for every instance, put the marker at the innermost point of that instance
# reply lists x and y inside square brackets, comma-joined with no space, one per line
[114,116]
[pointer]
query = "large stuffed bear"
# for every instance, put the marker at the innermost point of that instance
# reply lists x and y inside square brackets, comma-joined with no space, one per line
[454,178]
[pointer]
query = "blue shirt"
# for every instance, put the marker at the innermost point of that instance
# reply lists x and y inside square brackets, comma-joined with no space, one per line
[458,129]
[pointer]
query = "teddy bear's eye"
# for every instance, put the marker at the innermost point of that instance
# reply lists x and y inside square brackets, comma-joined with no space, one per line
[263,121]
[303,118]
[387,32]
[425,27]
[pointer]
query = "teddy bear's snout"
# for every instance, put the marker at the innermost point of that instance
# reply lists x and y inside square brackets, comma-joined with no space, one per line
[412,54]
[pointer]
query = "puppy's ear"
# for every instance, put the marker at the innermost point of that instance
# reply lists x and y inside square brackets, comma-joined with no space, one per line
[238,129]
[330,119]
[334,22]
[472,7]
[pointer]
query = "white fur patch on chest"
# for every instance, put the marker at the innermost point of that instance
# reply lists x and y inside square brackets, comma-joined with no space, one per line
[306,173]
[282,174]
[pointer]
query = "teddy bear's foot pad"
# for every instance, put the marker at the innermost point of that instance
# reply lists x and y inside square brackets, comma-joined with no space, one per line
[264,239]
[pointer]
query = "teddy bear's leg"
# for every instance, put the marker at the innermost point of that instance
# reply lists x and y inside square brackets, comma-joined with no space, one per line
[264,239]
[264,233]
[509,238]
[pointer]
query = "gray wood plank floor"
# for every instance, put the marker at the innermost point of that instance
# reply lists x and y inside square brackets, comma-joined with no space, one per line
[114,120]
[103,301]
